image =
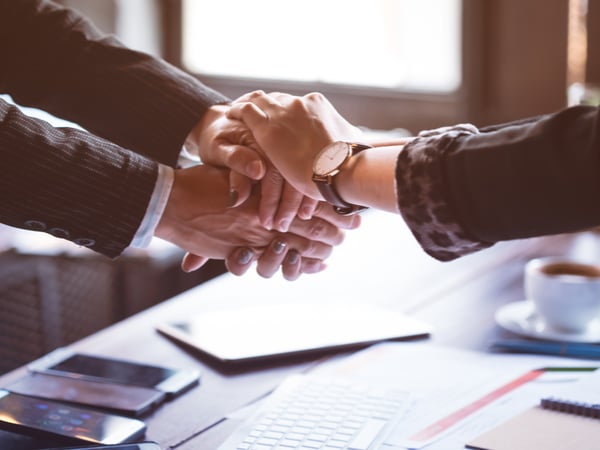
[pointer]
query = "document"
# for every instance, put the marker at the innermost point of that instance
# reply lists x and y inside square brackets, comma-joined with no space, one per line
[566,422]
[456,394]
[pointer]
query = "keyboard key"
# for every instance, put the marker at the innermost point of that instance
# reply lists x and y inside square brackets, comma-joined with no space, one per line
[367,435]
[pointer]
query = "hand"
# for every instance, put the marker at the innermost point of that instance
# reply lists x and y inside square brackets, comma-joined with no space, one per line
[197,219]
[225,142]
[323,224]
[291,131]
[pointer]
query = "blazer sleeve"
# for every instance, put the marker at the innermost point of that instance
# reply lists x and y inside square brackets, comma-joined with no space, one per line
[91,187]
[70,183]
[56,60]
[461,189]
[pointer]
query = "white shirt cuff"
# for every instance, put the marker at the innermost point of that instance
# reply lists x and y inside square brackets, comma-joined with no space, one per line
[189,156]
[156,207]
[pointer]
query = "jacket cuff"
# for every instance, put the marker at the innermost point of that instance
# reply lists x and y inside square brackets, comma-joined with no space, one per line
[422,195]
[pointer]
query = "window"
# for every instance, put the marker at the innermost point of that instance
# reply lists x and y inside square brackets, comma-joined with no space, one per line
[414,64]
[394,44]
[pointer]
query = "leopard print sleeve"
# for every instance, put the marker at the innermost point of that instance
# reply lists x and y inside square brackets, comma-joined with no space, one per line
[422,198]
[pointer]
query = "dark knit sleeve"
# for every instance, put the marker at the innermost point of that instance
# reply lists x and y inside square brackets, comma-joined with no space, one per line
[461,189]
[423,197]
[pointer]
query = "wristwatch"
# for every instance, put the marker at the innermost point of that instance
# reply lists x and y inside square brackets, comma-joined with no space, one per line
[328,163]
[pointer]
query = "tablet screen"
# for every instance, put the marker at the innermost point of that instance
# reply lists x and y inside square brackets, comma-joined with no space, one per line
[283,329]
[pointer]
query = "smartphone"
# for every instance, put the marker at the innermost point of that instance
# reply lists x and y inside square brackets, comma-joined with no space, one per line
[49,419]
[139,446]
[118,398]
[66,363]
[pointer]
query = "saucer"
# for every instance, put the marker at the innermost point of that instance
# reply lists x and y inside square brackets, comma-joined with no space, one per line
[520,318]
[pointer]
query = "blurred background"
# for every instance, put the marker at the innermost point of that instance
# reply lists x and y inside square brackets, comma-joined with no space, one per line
[384,64]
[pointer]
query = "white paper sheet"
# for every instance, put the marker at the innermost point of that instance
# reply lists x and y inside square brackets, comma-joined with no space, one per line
[444,380]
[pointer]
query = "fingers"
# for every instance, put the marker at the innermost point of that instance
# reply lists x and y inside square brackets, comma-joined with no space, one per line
[318,230]
[240,189]
[291,268]
[263,100]
[248,113]
[269,262]
[311,265]
[295,255]
[271,188]
[327,213]
[307,208]
[288,209]
[192,262]
[241,159]
[240,260]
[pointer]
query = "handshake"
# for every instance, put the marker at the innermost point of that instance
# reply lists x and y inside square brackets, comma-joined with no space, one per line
[255,199]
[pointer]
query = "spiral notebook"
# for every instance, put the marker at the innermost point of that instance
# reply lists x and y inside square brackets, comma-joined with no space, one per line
[570,421]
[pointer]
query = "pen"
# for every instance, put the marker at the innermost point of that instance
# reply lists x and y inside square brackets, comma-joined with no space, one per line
[574,349]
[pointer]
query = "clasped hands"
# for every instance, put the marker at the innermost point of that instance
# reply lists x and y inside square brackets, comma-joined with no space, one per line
[252,199]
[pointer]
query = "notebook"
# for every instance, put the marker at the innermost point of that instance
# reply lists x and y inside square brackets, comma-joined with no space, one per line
[570,420]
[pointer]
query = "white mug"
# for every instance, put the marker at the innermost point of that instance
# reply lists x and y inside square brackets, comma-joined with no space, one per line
[565,292]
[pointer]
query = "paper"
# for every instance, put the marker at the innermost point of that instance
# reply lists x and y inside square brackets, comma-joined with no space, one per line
[586,390]
[444,381]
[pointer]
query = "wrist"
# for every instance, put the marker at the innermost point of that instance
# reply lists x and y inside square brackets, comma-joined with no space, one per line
[193,141]
[328,165]
[195,192]
[369,178]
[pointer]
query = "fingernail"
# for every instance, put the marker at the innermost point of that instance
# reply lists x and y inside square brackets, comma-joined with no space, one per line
[269,224]
[293,257]
[245,256]
[232,198]
[306,213]
[255,169]
[279,247]
[284,225]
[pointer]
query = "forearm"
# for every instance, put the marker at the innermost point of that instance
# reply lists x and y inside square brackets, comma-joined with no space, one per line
[57,61]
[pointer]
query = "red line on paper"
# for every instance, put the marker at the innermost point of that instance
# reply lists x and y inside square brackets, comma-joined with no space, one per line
[446,422]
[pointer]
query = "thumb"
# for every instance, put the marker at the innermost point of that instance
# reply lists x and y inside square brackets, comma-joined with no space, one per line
[240,189]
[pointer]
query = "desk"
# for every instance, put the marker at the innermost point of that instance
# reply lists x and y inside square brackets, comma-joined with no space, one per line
[380,262]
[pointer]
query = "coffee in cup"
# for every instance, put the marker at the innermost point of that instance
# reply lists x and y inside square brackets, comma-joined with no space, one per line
[565,293]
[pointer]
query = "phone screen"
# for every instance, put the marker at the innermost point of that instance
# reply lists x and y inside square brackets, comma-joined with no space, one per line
[66,363]
[34,416]
[115,370]
[120,398]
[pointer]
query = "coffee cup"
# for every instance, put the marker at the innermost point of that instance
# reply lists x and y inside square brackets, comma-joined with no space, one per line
[565,293]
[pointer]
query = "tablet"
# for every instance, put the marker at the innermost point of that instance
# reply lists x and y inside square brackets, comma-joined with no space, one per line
[262,332]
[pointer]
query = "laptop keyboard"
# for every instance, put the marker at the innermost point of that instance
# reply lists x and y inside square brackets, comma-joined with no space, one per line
[308,412]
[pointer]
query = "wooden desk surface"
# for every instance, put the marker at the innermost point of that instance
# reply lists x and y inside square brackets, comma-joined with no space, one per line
[380,262]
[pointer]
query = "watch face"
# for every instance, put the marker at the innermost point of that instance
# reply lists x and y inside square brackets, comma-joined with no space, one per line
[330,158]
